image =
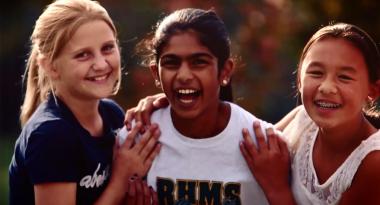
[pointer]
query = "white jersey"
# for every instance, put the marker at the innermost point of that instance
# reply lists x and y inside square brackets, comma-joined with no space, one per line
[301,134]
[204,171]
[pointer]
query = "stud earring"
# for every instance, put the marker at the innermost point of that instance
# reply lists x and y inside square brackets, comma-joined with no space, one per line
[157,83]
[224,82]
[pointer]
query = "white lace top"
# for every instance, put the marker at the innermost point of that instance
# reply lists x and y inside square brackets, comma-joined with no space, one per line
[301,134]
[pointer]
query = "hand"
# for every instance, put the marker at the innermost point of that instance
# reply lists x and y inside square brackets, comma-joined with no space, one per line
[139,193]
[269,163]
[135,159]
[143,110]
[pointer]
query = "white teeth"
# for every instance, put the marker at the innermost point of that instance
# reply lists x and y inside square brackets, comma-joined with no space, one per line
[186,91]
[327,104]
[99,78]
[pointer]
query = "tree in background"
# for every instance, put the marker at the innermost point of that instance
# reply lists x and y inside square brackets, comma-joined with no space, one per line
[267,35]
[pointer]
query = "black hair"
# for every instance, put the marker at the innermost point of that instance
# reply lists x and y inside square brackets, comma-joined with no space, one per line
[209,28]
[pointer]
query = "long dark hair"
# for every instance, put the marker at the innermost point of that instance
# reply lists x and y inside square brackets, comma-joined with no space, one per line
[211,32]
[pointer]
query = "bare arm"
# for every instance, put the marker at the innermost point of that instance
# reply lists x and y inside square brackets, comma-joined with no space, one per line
[365,187]
[55,193]
[284,122]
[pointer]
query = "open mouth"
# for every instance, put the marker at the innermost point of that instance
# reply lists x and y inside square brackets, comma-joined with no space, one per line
[187,95]
[98,78]
[327,105]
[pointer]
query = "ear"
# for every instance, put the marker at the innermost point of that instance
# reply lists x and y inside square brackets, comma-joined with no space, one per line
[374,91]
[154,70]
[226,72]
[48,66]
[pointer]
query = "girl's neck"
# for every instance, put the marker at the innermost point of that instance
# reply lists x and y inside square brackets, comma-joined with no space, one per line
[207,125]
[345,139]
[86,112]
[336,144]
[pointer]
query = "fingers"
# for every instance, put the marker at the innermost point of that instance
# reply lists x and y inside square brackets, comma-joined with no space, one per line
[139,192]
[137,114]
[154,196]
[249,146]
[161,101]
[246,155]
[150,145]
[283,148]
[146,110]
[260,138]
[272,140]
[132,135]
[131,196]
[149,160]
[146,137]
[147,194]
[129,116]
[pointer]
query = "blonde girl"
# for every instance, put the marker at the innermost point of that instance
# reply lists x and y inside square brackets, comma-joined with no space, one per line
[64,154]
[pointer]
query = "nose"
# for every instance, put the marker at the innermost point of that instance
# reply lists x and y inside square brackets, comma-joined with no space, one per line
[100,62]
[328,86]
[184,73]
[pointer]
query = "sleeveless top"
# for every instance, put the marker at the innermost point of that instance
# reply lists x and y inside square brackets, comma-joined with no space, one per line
[301,135]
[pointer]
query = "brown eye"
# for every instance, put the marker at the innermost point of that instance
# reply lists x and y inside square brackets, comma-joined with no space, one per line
[345,77]
[108,48]
[315,73]
[170,63]
[200,62]
[82,55]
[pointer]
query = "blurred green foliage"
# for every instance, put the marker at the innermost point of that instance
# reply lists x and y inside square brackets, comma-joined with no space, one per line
[6,147]
[267,35]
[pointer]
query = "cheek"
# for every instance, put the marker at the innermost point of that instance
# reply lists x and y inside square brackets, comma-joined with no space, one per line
[115,61]
[166,78]
[306,89]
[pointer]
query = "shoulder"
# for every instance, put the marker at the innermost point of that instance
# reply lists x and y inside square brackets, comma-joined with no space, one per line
[245,118]
[111,105]
[58,132]
[161,116]
[112,112]
[284,122]
[370,166]
[365,186]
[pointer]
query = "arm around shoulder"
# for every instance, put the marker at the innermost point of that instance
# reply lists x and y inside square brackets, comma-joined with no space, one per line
[284,122]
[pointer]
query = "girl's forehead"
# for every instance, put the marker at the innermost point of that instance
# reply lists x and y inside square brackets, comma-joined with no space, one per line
[184,43]
[334,50]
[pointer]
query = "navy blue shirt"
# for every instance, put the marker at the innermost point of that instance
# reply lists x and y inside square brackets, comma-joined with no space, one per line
[54,147]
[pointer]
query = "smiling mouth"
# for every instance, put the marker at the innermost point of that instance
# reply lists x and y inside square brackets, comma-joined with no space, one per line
[187,95]
[98,78]
[327,105]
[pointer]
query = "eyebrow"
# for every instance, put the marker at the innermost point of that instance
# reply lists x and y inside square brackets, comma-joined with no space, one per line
[194,55]
[78,49]
[343,68]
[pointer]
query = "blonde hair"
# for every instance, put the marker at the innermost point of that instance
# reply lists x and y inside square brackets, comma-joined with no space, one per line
[53,29]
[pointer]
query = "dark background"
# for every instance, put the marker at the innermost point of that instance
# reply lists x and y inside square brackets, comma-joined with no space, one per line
[268,36]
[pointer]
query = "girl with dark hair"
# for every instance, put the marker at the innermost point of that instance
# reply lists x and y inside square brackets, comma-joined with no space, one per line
[199,161]
[335,150]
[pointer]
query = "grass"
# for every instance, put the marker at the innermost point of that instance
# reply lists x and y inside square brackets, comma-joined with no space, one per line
[6,151]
